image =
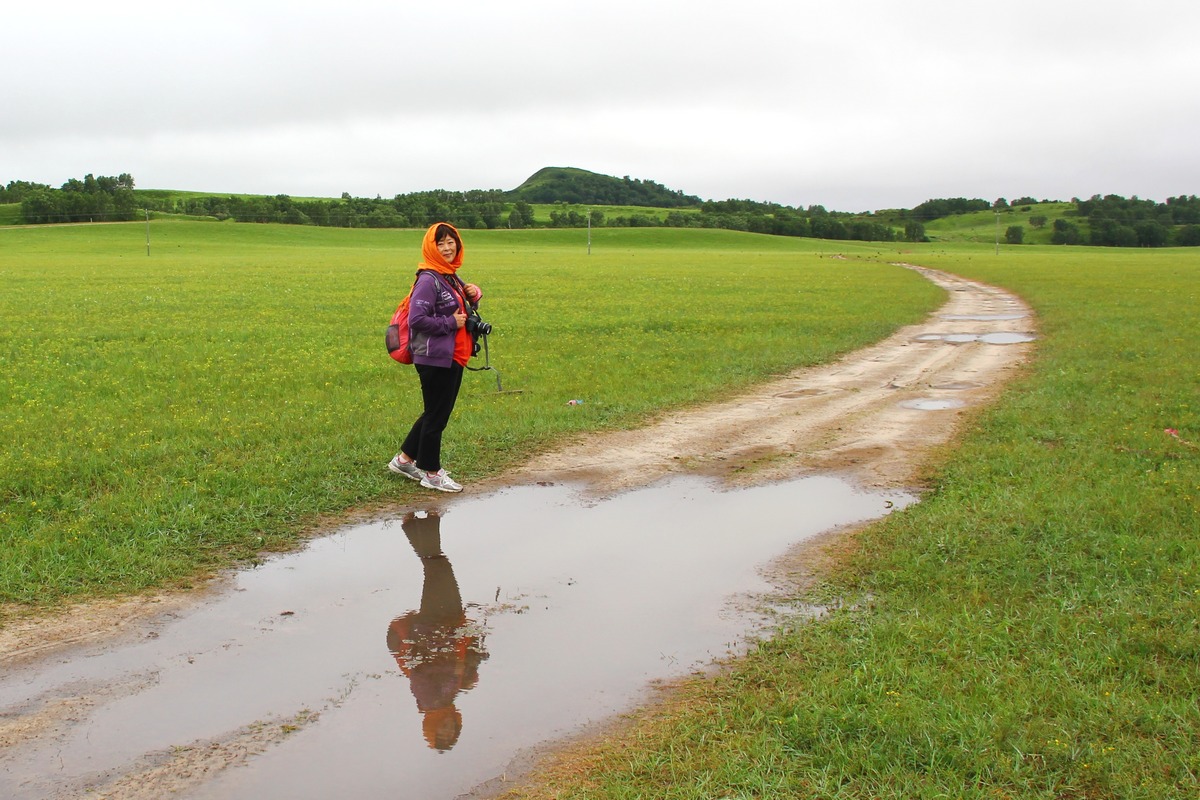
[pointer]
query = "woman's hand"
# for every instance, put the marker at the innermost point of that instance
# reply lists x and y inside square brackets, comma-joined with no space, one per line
[460,318]
[474,293]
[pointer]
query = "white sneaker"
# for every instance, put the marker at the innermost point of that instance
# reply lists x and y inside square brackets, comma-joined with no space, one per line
[406,468]
[441,481]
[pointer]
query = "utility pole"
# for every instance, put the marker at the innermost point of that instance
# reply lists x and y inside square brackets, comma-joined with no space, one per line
[997,233]
[147,231]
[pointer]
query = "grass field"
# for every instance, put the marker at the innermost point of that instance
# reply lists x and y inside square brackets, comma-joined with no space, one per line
[169,414]
[1029,630]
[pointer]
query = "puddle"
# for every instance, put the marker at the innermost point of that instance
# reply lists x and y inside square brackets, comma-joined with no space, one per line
[422,655]
[932,404]
[1005,337]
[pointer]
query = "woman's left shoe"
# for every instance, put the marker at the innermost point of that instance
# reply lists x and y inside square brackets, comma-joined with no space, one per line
[441,481]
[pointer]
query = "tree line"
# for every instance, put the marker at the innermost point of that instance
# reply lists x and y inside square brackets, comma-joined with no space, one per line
[1111,220]
[93,199]
[1116,221]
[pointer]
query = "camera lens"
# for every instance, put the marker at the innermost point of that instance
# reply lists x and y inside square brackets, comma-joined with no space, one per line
[477,326]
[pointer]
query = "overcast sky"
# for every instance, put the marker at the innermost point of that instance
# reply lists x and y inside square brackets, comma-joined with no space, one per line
[852,104]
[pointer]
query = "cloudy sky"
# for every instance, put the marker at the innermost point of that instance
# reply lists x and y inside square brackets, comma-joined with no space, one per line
[852,104]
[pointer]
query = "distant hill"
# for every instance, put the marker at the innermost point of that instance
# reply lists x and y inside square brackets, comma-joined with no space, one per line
[572,185]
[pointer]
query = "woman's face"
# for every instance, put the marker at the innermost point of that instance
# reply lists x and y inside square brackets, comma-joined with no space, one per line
[448,248]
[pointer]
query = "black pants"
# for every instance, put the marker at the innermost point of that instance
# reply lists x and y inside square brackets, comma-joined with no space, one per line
[439,391]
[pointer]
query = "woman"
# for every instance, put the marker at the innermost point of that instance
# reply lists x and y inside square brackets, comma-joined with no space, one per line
[441,347]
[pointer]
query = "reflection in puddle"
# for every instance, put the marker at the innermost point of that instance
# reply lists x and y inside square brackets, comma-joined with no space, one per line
[1004,337]
[932,404]
[584,605]
[436,647]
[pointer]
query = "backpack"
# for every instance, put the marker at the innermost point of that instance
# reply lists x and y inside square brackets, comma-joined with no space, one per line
[397,331]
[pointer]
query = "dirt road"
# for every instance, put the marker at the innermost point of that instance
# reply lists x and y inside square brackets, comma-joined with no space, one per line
[852,417]
[876,416]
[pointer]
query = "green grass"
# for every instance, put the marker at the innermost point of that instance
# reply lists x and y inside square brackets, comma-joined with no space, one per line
[10,213]
[1028,630]
[165,415]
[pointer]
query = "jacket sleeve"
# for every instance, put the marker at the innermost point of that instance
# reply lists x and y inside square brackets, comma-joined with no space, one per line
[423,308]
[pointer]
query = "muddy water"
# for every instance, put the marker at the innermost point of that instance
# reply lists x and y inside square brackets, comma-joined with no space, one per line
[999,337]
[419,656]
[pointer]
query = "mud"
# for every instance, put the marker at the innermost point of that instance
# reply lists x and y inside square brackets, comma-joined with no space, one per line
[443,648]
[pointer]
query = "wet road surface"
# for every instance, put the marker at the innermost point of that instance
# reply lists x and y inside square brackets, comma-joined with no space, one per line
[417,656]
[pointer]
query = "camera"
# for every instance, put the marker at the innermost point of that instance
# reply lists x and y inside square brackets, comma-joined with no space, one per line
[476,326]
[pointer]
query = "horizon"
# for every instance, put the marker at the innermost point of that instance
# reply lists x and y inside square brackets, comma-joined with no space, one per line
[1039,200]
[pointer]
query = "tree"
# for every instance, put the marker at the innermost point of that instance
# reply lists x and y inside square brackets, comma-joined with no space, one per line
[914,231]
[935,209]
[1065,233]
[39,207]
[1188,236]
[525,210]
[1015,234]
[1151,234]
[1038,221]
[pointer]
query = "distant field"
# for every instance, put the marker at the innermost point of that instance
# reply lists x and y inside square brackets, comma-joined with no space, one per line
[981,226]
[542,211]
[10,213]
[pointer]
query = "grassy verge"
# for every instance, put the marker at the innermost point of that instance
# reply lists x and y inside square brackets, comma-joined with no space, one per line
[1030,628]
[168,414]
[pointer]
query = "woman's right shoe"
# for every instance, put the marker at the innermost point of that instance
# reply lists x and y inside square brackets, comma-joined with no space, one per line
[441,481]
[406,468]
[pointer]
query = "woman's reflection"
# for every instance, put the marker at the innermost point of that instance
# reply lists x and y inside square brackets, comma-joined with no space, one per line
[437,647]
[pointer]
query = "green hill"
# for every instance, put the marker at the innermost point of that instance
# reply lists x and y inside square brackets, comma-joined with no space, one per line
[572,185]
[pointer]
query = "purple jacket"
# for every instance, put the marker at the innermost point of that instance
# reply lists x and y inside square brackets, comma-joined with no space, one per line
[431,320]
